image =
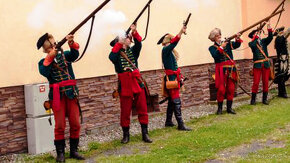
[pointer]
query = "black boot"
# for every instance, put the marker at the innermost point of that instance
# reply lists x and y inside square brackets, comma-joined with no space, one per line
[145,136]
[74,143]
[229,107]
[282,90]
[178,115]
[253,99]
[265,98]
[59,146]
[169,113]
[126,135]
[220,108]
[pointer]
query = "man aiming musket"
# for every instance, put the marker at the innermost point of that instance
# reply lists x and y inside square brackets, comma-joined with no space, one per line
[261,63]
[63,93]
[57,68]
[130,88]
[225,70]
[173,77]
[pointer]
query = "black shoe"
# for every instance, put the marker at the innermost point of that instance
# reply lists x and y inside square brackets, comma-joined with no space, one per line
[178,115]
[182,127]
[126,135]
[145,136]
[169,113]
[229,107]
[253,99]
[60,146]
[74,143]
[283,95]
[265,98]
[220,108]
[169,124]
[282,90]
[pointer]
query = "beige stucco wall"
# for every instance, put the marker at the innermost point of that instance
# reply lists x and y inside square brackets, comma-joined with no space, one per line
[23,22]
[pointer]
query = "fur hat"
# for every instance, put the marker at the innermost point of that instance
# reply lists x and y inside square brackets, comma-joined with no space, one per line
[213,34]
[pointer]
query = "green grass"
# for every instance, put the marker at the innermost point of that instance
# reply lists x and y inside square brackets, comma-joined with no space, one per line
[211,135]
[272,154]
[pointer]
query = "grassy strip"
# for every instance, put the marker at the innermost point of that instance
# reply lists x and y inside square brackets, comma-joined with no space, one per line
[272,154]
[212,134]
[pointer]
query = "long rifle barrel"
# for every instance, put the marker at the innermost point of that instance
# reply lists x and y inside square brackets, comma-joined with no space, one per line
[187,20]
[113,42]
[83,22]
[262,25]
[259,22]
[278,7]
[138,17]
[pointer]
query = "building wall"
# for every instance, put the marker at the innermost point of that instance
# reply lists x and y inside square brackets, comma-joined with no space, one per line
[24,23]
[13,137]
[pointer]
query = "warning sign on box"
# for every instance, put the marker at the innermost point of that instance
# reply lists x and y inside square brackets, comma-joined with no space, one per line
[42,88]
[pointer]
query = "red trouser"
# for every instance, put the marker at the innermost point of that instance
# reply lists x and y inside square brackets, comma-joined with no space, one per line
[174,93]
[265,72]
[228,87]
[69,108]
[126,108]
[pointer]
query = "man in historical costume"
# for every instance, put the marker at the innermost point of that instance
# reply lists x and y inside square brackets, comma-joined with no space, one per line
[131,89]
[225,70]
[172,71]
[282,65]
[57,68]
[261,63]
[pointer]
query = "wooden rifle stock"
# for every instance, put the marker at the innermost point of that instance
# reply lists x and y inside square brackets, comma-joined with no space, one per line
[59,44]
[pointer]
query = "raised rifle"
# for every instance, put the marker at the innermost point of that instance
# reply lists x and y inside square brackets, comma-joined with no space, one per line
[277,8]
[92,15]
[113,42]
[186,21]
[259,22]
[59,44]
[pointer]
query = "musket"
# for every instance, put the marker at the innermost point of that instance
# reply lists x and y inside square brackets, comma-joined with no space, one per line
[259,22]
[60,43]
[113,42]
[138,17]
[262,25]
[186,21]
